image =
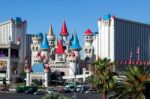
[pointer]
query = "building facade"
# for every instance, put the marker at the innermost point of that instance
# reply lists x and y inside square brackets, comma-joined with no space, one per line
[9,62]
[14,30]
[123,41]
[28,46]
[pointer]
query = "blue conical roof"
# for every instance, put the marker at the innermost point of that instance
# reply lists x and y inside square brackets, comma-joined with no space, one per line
[75,43]
[71,39]
[44,44]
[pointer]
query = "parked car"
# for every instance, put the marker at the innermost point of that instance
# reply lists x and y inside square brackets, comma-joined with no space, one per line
[51,90]
[84,88]
[90,91]
[79,88]
[65,90]
[70,87]
[4,89]
[60,90]
[30,91]
[39,93]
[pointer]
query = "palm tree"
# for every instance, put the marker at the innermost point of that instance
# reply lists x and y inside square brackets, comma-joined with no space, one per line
[102,77]
[131,85]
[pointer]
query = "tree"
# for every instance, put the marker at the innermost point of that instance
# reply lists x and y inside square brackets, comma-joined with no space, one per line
[131,85]
[102,77]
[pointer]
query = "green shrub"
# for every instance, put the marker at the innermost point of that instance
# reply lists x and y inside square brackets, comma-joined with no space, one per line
[55,95]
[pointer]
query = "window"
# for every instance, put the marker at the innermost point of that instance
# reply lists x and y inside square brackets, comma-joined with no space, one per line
[60,58]
[33,48]
[90,51]
[36,48]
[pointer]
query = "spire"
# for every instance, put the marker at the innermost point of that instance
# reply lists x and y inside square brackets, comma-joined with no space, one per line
[56,41]
[50,32]
[71,39]
[44,44]
[88,32]
[64,31]
[75,43]
[60,49]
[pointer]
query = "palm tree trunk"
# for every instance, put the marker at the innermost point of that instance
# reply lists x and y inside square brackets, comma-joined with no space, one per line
[103,96]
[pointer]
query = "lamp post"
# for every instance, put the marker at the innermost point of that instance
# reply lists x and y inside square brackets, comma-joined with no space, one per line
[4,82]
[74,71]
[75,85]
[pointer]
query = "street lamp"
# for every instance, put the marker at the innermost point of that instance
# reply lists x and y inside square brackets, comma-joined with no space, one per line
[74,71]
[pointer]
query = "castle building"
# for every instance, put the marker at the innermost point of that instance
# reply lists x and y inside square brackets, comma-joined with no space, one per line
[50,55]
[122,40]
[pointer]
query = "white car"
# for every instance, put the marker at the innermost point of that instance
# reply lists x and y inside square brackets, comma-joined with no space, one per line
[90,91]
[39,92]
[51,90]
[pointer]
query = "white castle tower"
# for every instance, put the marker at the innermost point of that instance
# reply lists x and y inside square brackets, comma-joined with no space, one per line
[35,48]
[88,48]
[51,37]
[60,54]
[44,48]
[72,63]
[75,48]
[64,33]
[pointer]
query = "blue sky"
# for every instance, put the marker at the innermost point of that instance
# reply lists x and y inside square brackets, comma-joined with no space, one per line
[79,14]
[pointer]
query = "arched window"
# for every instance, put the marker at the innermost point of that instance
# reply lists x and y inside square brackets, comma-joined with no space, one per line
[60,58]
[90,51]
[86,50]
[36,48]
[32,48]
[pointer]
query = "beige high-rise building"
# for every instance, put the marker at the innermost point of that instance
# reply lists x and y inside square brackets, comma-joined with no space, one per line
[14,30]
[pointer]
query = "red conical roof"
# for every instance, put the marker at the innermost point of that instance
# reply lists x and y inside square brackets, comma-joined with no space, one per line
[88,32]
[60,49]
[64,31]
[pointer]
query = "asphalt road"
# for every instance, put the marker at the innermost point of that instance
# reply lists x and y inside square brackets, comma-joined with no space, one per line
[28,96]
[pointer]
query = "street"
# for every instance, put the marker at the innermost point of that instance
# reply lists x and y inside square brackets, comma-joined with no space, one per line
[31,96]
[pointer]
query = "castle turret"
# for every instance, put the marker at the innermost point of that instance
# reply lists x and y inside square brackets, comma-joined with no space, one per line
[71,39]
[35,48]
[44,47]
[51,37]
[64,33]
[88,37]
[72,64]
[28,70]
[35,40]
[60,54]
[88,48]
[75,46]
[46,70]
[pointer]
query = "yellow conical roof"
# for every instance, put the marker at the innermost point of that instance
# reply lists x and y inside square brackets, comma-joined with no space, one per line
[50,32]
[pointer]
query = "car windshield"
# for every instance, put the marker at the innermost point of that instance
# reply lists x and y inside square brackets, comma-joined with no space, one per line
[50,88]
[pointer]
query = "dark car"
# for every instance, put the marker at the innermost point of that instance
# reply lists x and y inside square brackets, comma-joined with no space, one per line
[4,89]
[38,92]
[65,90]
[84,88]
[30,91]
